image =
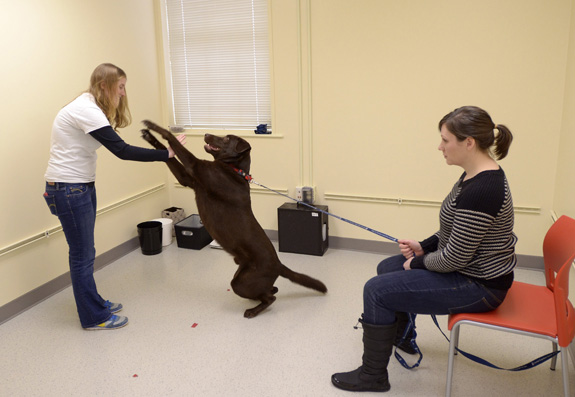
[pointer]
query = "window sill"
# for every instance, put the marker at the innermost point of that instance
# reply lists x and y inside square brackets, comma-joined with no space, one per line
[240,133]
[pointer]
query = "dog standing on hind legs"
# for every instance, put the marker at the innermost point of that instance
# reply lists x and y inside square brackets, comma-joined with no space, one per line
[224,205]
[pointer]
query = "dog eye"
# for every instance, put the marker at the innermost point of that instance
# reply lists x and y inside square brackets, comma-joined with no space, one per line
[226,139]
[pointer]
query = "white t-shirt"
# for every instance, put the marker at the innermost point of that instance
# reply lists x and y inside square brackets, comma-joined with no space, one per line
[72,150]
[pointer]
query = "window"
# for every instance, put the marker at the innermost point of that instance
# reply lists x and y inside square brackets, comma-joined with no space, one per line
[218,63]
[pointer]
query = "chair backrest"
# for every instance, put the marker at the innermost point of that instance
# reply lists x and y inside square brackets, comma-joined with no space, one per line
[558,255]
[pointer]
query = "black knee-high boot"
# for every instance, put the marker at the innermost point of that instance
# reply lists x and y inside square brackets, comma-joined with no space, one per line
[372,375]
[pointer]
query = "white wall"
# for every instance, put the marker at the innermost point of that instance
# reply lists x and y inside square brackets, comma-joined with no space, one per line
[358,89]
[49,51]
[564,199]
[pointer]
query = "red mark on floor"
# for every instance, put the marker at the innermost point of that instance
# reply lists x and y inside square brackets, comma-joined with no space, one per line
[194,325]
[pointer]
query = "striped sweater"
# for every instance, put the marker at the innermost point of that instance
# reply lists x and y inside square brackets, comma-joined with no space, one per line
[476,232]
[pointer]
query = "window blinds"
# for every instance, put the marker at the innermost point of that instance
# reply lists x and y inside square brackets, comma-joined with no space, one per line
[219,63]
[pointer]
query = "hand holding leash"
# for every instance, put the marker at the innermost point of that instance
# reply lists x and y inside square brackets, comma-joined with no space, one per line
[409,248]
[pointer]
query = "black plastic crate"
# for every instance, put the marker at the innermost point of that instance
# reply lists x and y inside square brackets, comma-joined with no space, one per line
[191,233]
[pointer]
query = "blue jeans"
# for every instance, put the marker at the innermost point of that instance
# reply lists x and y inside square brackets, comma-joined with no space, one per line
[75,206]
[423,292]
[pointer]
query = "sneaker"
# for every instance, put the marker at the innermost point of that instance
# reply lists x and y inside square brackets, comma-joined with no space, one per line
[113,322]
[114,307]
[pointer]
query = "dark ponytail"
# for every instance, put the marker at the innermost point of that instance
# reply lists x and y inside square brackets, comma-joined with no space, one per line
[502,141]
[474,122]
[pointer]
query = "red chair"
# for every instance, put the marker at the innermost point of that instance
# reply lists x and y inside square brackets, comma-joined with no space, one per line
[532,310]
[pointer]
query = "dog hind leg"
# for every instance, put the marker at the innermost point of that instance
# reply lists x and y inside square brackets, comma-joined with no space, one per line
[254,311]
[251,285]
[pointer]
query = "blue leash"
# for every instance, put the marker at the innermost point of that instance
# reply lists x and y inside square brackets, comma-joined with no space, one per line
[411,325]
[412,343]
[482,361]
[251,180]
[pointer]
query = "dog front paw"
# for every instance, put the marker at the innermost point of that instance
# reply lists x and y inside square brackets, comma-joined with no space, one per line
[154,127]
[148,137]
[151,125]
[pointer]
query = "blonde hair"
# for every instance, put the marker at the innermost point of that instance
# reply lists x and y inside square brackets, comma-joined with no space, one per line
[103,81]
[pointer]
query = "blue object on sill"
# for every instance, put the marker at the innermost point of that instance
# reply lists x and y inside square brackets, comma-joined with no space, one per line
[262,129]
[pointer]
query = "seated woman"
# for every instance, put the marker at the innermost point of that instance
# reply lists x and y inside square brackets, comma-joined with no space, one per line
[467,266]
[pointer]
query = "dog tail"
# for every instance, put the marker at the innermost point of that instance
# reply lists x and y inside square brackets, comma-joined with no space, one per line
[302,279]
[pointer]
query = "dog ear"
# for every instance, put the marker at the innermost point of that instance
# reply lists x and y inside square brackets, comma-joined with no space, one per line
[242,146]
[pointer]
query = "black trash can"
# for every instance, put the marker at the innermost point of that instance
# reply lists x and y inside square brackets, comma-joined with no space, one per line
[150,235]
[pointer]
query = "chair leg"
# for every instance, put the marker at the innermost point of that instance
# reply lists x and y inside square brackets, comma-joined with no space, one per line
[453,341]
[565,365]
[554,359]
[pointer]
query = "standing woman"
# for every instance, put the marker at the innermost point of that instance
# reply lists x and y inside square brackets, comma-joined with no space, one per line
[79,129]
[467,266]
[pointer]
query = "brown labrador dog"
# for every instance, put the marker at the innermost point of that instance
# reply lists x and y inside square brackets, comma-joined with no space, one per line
[224,205]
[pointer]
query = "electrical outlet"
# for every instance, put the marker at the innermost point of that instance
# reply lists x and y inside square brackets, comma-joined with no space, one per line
[299,193]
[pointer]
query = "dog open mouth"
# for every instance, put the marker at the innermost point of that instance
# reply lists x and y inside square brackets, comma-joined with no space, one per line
[211,148]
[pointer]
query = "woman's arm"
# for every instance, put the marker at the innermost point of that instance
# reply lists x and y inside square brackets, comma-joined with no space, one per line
[112,141]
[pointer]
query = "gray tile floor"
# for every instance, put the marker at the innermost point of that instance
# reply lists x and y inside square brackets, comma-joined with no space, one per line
[187,337]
